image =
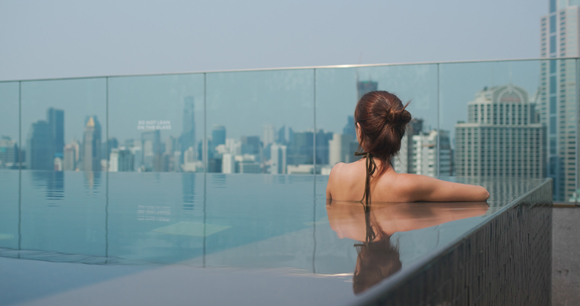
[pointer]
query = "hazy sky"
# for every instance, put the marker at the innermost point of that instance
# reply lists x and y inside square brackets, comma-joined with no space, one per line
[47,39]
[40,39]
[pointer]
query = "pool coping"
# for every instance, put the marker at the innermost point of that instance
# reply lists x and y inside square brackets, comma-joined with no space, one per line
[391,283]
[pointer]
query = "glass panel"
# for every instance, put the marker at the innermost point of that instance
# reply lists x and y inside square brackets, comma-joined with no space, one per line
[156,125]
[516,99]
[64,124]
[337,94]
[261,122]
[9,157]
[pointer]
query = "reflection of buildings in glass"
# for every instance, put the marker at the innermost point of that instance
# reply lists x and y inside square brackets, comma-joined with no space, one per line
[188,188]
[187,138]
[91,158]
[502,136]
[53,181]
[558,95]
[278,159]
[151,150]
[8,153]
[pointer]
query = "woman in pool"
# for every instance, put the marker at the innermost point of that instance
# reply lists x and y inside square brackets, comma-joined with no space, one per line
[381,120]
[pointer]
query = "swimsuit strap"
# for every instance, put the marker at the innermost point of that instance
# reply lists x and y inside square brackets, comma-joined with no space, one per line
[370,170]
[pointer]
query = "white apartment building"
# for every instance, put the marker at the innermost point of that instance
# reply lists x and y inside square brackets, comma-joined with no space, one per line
[502,136]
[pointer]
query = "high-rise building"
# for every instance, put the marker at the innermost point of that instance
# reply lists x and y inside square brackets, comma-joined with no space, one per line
[278,159]
[558,102]
[91,158]
[281,136]
[228,163]
[269,134]
[121,160]
[349,128]
[152,150]
[300,148]
[341,148]
[425,159]
[502,136]
[70,161]
[8,152]
[40,146]
[55,119]
[187,138]
[364,87]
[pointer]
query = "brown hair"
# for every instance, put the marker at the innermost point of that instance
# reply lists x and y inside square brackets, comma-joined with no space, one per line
[382,119]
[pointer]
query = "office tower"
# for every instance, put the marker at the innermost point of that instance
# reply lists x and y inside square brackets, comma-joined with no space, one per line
[187,138]
[91,158]
[39,147]
[137,152]
[228,163]
[121,160]
[8,152]
[558,102]
[218,136]
[70,161]
[300,148]
[349,128]
[424,154]
[251,145]
[502,137]
[403,161]
[112,143]
[281,136]
[341,149]
[152,150]
[269,134]
[55,119]
[278,159]
[322,149]
[189,160]
[364,87]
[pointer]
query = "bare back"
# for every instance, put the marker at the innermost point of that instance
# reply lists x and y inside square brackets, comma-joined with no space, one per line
[346,182]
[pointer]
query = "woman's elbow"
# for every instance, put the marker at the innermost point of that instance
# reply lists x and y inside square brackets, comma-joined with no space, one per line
[483,194]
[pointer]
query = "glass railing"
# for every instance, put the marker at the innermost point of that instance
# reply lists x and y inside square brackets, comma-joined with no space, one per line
[515,118]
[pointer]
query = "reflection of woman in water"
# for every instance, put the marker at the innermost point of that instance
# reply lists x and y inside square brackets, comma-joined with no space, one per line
[380,121]
[378,257]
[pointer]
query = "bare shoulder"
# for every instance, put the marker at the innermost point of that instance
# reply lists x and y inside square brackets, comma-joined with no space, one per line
[333,177]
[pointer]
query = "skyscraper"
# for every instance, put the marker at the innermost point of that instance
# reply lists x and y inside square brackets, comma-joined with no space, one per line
[341,149]
[558,103]
[8,152]
[40,147]
[278,158]
[502,136]
[364,87]
[152,150]
[69,159]
[91,158]
[55,119]
[269,134]
[187,138]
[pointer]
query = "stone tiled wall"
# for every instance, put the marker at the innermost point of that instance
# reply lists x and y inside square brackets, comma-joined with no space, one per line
[507,261]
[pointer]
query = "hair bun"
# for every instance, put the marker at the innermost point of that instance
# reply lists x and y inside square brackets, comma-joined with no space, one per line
[398,117]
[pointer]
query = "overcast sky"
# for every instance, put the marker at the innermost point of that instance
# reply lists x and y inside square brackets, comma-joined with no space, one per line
[48,39]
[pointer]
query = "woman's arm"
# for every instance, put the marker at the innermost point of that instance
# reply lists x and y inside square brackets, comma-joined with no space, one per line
[424,188]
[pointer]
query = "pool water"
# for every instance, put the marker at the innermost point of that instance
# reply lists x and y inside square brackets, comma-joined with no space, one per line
[151,238]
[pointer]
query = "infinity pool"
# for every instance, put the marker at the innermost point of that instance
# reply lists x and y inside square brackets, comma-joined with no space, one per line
[207,239]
